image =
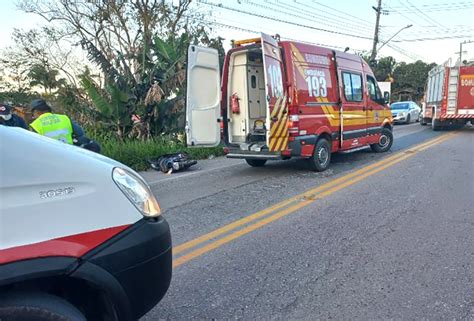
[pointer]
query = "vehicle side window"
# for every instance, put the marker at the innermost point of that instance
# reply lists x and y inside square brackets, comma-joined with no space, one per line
[374,90]
[352,86]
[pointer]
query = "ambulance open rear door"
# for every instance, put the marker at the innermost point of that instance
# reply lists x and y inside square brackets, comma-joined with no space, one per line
[277,112]
[203,96]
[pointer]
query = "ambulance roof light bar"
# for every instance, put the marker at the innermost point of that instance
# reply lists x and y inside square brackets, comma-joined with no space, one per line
[238,43]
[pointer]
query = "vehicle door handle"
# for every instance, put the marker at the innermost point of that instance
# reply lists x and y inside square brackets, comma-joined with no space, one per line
[274,119]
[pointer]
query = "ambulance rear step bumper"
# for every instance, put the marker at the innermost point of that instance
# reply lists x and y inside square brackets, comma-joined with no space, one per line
[247,154]
[253,156]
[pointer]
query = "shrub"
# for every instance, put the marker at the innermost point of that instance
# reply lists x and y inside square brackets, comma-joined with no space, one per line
[134,153]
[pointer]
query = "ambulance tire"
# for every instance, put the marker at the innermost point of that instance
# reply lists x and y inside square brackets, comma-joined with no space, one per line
[321,156]
[37,306]
[256,162]
[436,125]
[385,141]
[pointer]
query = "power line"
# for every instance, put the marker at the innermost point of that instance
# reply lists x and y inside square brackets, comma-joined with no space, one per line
[337,10]
[307,13]
[436,30]
[253,31]
[434,38]
[424,14]
[451,3]
[282,20]
[404,16]
[403,52]
[268,17]
[438,7]
[440,29]
[306,16]
[347,21]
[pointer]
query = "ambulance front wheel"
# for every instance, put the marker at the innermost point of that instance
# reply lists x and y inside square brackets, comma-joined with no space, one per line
[321,156]
[256,162]
[385,141]
[37,306]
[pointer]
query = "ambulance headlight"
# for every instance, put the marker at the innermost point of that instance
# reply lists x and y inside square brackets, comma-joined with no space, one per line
[137,191]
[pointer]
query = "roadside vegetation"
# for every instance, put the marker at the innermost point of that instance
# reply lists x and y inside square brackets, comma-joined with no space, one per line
[135,153]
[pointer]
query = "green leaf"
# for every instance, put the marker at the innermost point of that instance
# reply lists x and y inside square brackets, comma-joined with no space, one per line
[162,48]
[98,100]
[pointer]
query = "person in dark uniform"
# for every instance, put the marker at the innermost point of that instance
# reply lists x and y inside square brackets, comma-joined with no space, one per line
[7,118]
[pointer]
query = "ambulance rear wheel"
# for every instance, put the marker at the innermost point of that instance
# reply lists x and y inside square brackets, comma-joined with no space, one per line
[37,306]
[256,162]
[385,141]
[436,125]
[321,156]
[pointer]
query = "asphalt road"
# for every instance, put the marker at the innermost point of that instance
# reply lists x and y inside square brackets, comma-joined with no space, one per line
[378,236]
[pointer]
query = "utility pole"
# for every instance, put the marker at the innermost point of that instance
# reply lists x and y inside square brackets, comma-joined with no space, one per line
[378,10]
[460,50]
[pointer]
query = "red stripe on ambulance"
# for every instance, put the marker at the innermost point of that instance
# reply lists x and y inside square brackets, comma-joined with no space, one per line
[72,245]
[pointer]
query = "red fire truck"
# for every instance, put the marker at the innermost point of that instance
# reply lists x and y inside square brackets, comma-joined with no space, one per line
[283,99]
[449,96]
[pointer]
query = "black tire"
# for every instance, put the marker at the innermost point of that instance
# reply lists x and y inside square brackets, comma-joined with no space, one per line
[37,306]
[408,119]
[457,126]
[385,141]
[321,156]
[435,125]
[256,162]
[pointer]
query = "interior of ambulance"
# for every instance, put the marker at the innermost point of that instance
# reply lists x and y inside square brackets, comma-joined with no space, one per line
[247,106]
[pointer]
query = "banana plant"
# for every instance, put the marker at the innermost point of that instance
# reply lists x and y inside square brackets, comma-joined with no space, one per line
[112,104]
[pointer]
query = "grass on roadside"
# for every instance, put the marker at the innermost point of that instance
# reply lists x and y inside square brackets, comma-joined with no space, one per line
[134,153]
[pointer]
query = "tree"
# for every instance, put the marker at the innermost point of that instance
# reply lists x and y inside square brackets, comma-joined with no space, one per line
[411,77]
[43,76]
[140,48]
[383,68]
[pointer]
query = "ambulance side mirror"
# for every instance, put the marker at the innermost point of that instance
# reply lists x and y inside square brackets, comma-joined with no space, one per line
[386,97]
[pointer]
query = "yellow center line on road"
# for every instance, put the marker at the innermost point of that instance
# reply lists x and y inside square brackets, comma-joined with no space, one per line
[301,200]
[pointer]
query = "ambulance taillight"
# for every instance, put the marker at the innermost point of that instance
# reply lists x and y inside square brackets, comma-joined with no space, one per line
[293,125]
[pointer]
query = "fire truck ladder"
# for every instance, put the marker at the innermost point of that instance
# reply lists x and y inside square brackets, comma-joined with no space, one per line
[453,91]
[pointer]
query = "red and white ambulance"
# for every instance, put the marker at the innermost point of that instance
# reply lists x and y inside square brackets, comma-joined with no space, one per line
[449,96]
[282,99]
[81,236]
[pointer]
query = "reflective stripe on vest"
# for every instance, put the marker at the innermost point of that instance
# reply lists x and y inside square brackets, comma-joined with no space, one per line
[55,126]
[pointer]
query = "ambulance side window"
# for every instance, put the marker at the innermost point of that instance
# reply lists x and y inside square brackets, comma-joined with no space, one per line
[374,90]
[352,86]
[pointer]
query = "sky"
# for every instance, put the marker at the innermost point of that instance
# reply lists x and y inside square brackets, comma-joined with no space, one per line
[333,23]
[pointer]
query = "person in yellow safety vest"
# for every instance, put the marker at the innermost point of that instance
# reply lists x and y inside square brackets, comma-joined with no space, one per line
[56,126]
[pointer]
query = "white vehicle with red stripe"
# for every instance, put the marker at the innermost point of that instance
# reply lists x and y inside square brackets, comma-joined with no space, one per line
[81,236]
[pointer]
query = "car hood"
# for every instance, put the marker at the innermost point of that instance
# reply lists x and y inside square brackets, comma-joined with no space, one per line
[397,111]
[16,138]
